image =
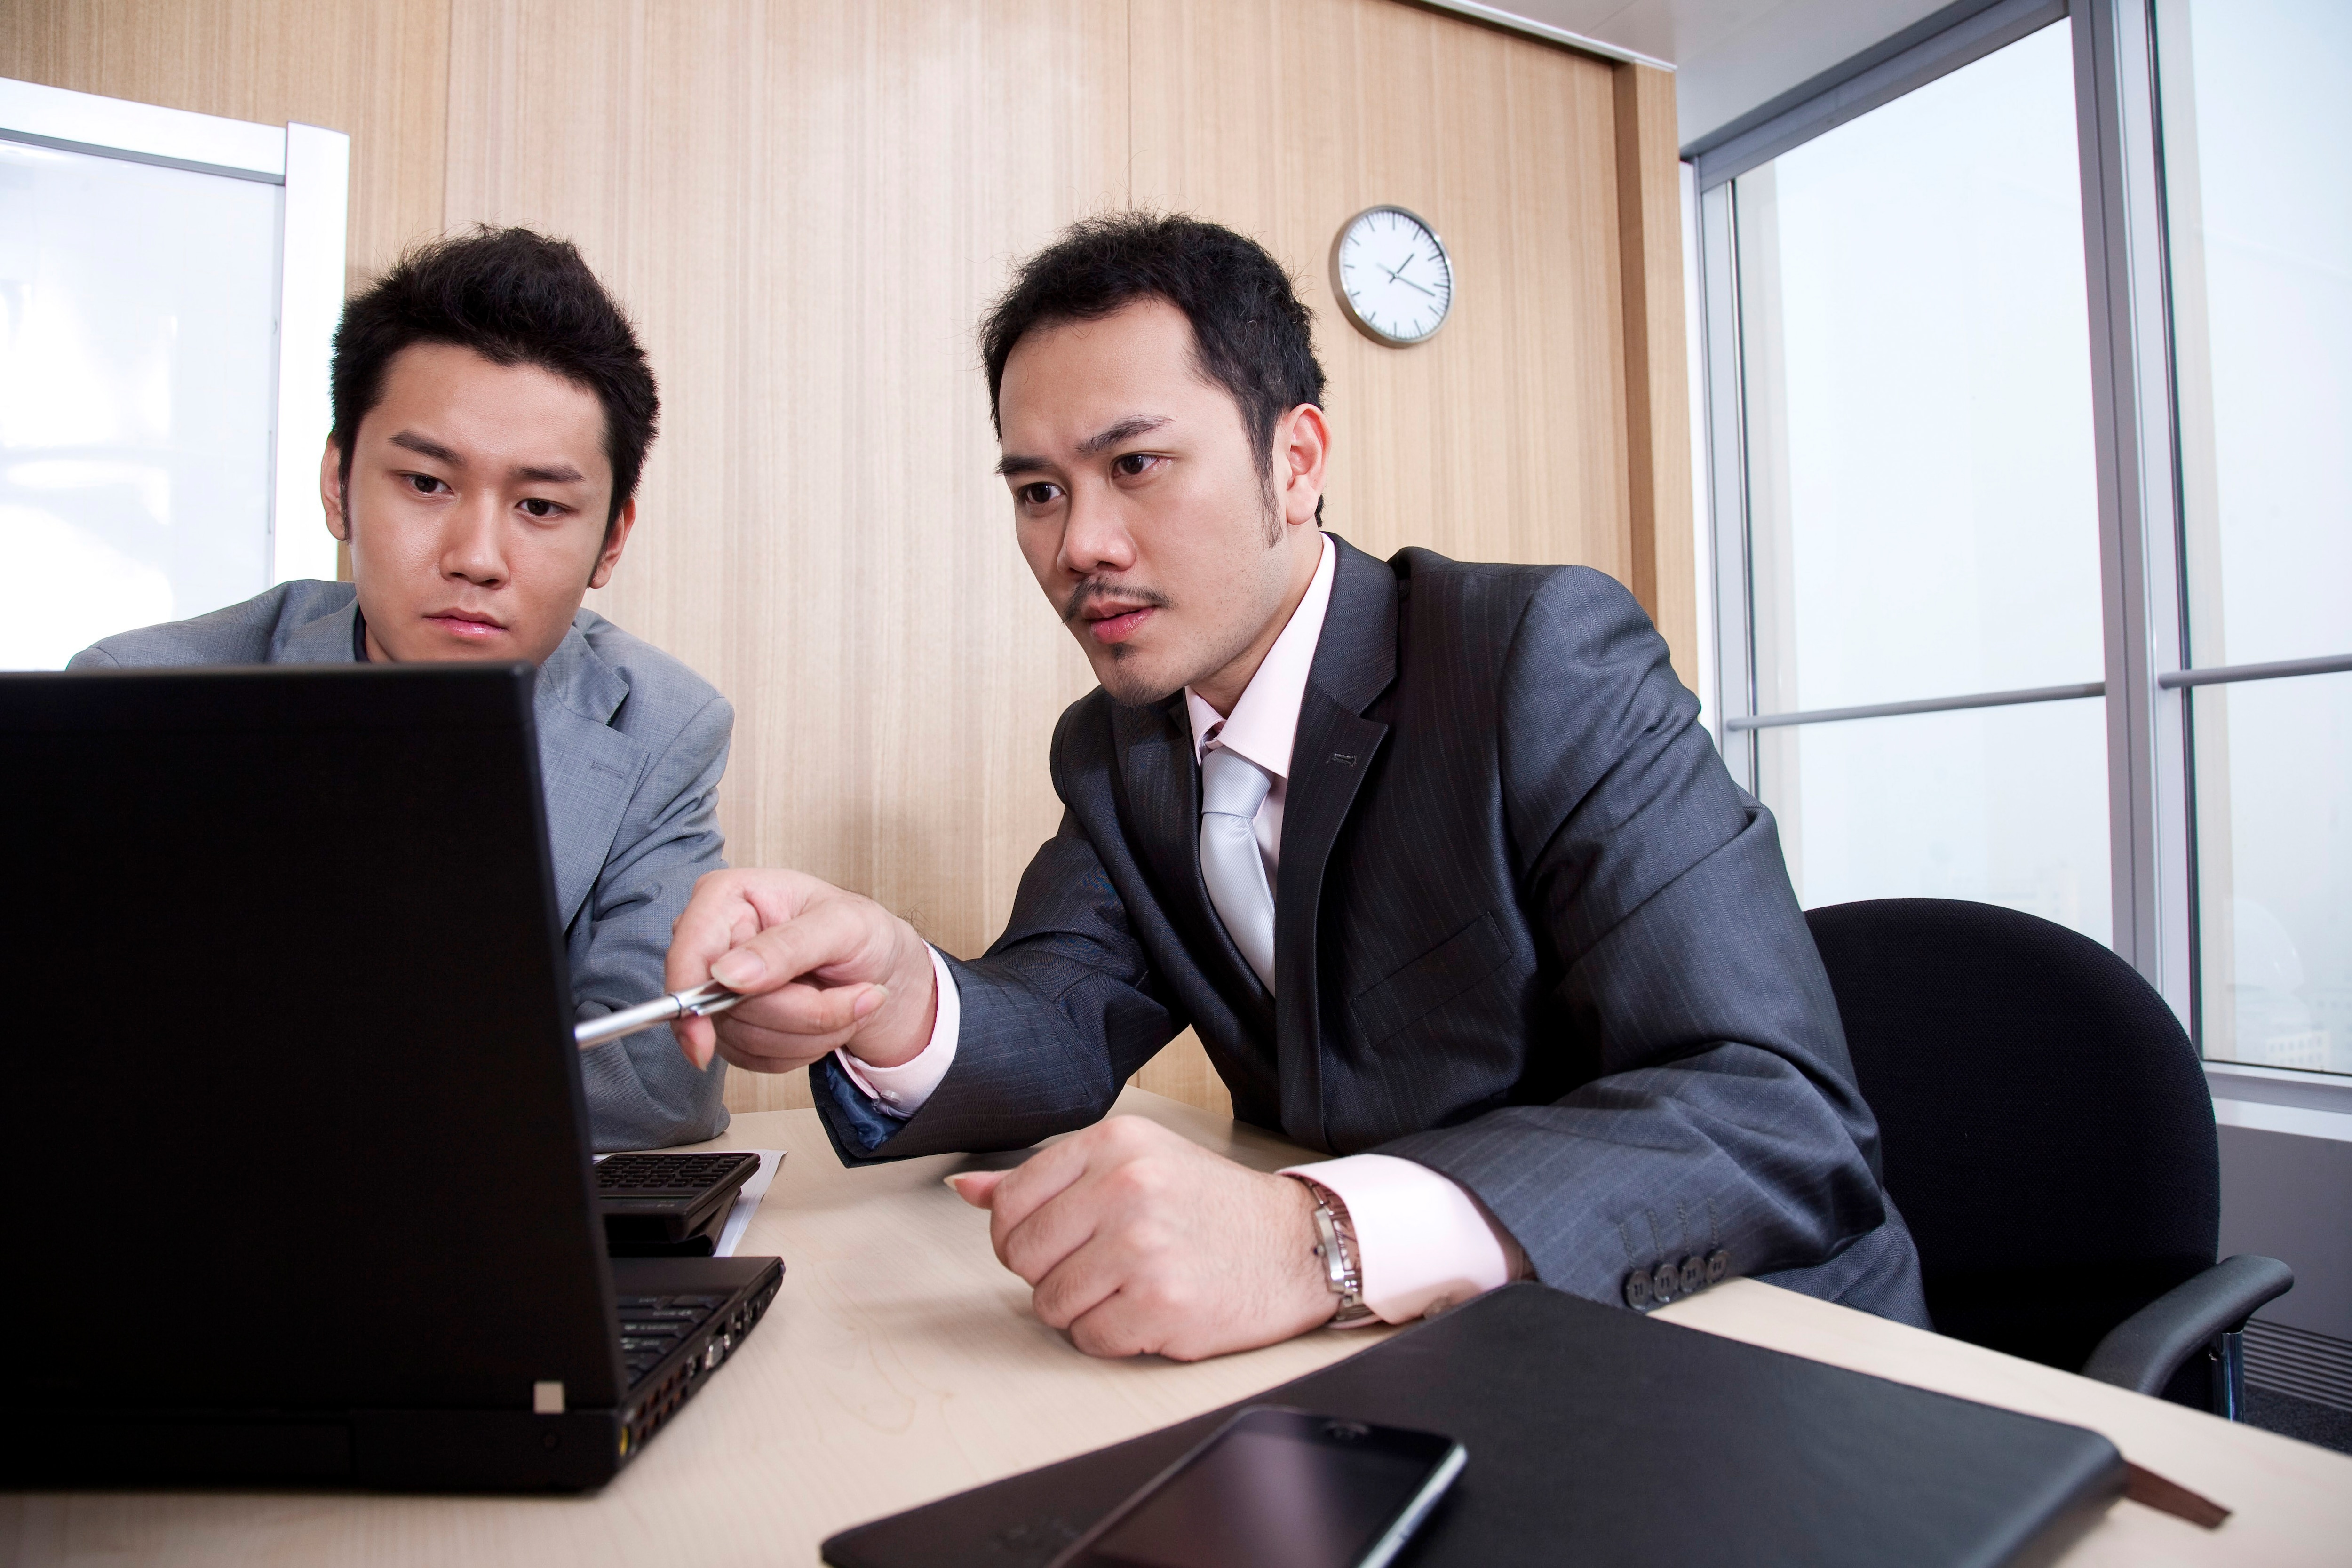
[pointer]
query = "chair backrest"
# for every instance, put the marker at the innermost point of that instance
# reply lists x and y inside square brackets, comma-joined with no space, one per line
[2044,1122]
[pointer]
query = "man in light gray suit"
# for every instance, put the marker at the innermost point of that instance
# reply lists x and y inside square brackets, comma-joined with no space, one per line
[492,411]
[1433,856]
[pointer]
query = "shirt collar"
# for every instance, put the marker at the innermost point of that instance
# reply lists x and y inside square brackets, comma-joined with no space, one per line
[1264,722]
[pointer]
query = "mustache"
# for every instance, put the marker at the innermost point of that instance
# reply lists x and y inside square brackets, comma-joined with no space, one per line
[1094,588]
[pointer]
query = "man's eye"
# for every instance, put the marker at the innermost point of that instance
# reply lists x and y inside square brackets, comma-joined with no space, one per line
[1132,465]
[539,506]
[423,484]
[1038,494]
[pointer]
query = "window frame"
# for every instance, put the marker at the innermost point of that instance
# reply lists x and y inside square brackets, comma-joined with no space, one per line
[2147,673]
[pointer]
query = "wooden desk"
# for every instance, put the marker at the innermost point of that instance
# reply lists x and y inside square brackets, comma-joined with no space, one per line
[901,1363]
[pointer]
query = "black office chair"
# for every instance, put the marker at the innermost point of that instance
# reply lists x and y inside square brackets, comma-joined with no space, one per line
[2048,1134]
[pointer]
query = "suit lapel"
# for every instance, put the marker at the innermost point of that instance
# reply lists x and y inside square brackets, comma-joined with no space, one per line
[589,770]
[323,639]
[1355,661]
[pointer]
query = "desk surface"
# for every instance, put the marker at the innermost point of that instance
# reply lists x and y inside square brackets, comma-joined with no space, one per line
[902,1363]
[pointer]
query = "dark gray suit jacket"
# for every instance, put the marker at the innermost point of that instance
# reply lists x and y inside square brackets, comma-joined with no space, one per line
[632,744]
[1527,933]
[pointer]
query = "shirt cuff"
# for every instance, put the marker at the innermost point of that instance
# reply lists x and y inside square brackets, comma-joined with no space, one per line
[1422,1243]
[904,1089]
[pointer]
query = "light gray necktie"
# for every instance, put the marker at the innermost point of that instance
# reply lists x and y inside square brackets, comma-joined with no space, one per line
[1232,789]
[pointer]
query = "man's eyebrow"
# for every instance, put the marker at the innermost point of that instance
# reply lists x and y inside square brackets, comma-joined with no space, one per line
[1124,430]
[425,446]
[530,473]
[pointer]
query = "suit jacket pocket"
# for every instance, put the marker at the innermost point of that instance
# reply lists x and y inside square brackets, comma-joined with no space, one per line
[1431,981]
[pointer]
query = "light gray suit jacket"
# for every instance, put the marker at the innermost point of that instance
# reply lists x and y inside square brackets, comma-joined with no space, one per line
[632,744]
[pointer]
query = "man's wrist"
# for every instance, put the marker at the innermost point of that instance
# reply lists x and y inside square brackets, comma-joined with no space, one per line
[1304,1270]
[894,1044]
[1423,1241]
[903,1090]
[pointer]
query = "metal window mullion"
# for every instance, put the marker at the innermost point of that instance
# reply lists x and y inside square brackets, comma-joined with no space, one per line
[1726,499]
[2139,559]
[2015,698]
[2232,674]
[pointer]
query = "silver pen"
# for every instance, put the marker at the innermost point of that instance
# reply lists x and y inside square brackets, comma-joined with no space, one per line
[698,1002]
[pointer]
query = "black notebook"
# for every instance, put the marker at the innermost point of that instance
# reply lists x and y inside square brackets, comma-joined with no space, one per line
[1597,1436]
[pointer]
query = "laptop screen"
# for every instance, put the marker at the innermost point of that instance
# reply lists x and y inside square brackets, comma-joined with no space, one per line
[296,1116]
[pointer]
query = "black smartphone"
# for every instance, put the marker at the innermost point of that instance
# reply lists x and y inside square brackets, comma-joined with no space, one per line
[1275,1488]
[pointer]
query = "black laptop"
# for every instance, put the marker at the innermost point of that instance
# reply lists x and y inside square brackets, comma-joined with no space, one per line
[301,1186]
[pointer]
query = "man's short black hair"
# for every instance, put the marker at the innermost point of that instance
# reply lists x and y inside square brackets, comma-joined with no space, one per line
[514,298]
[1250,334]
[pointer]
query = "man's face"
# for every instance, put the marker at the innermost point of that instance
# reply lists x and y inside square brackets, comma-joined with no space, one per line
[1138,505]
[476,508]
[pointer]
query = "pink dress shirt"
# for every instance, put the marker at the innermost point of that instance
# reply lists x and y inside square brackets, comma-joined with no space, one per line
[1422,1243]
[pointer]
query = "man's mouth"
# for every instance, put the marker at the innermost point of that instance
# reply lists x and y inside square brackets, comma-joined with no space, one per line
[473,625]
[1112,615]
[1110,622]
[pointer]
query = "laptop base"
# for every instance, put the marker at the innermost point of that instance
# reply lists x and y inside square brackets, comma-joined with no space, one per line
[404,1450]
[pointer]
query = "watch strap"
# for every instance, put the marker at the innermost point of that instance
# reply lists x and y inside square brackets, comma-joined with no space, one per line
[1335,1244]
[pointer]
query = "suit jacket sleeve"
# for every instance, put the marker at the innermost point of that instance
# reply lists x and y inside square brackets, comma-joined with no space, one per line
[1724,1113]
[1058,1015]
[642,1092]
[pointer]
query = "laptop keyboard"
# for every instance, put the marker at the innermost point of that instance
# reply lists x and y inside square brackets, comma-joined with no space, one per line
[648,1173]
[653,1326]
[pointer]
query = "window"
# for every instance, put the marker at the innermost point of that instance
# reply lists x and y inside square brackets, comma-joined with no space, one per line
[1922,506]
[2027,365]
[154,419]
[2255,119]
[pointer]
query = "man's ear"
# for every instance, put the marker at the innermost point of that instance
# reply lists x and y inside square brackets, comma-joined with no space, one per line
[330,491]
[616,539]
[1302,455]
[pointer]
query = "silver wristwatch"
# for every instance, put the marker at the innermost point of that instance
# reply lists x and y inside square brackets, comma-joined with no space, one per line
[1335,1243]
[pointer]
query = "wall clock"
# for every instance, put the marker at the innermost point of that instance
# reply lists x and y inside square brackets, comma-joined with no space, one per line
[1392,276]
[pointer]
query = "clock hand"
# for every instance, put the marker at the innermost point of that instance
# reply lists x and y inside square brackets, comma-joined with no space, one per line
[1396,275]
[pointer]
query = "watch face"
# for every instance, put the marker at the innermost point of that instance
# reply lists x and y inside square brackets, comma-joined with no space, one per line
[1392,276]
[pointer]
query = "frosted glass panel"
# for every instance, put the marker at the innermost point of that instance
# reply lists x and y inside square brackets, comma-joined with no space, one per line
[1923,503]
[2000,806]
[2257,99]
[2274,870]
[138,374]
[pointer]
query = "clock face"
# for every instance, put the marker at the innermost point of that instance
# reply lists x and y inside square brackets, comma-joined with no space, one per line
[1392,276]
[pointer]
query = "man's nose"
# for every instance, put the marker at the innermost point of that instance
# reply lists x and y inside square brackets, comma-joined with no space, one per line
[1094,538]
[472,545]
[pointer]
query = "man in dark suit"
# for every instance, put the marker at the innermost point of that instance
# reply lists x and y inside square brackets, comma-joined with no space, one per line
[1436,858]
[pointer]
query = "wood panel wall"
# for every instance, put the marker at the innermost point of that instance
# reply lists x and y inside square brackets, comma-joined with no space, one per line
[807,205]
[1503,437]
[375,69]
